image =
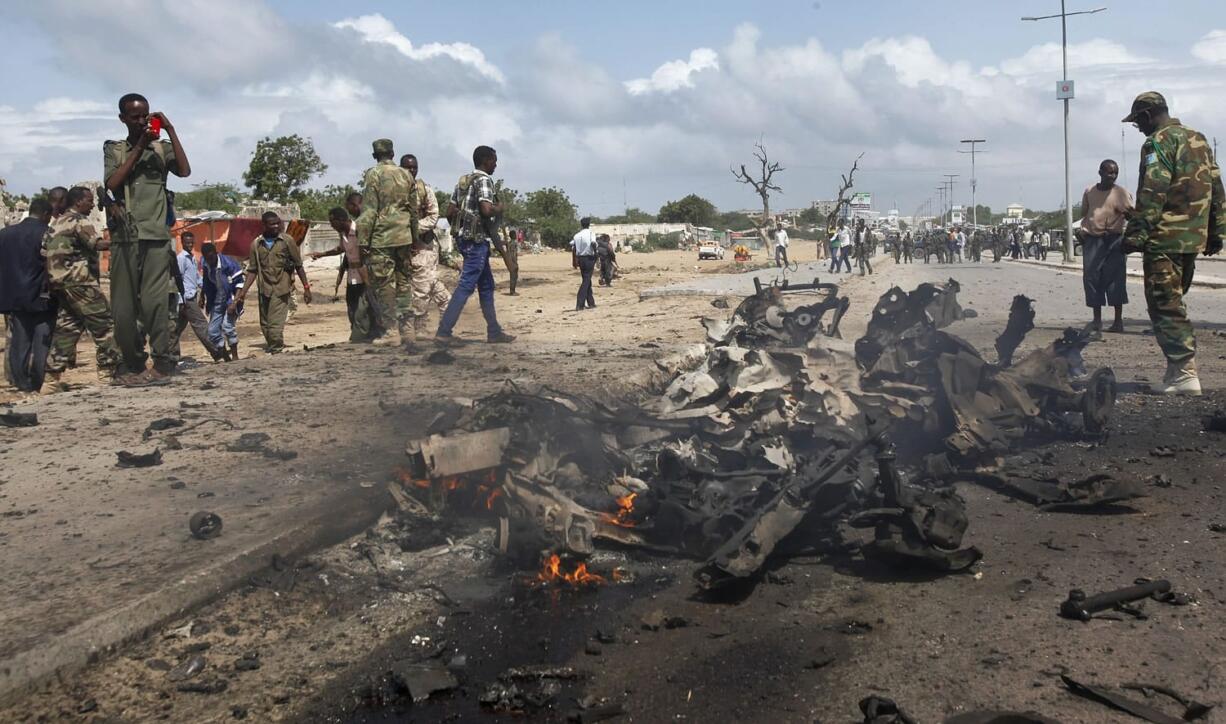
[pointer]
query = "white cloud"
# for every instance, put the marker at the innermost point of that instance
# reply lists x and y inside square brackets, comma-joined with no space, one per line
[1211,48]
[378,29]
[558,117]
[1046,59]
[202,43]
[561,84]
[61,108]
[675,74]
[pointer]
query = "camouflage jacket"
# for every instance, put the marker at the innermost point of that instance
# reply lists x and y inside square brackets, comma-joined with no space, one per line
[1179,198]
[427,209]
[71,250]
[389,207]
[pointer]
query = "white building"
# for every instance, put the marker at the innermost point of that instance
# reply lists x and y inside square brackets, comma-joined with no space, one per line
[1015,214]
[637,233]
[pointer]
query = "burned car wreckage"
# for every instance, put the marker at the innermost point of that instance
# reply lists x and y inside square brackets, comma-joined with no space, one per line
[781,437]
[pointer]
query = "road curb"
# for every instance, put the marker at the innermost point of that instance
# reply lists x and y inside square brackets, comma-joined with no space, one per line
[328,523]
[1206,284]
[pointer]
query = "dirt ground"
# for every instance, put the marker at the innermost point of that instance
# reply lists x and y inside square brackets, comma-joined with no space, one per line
[332,636]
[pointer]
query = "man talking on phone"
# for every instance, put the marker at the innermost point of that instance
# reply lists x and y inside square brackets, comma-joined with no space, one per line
[135,170]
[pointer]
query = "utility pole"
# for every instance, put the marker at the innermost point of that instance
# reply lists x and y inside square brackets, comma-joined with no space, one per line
[941,190]
[1064,92]
[974,182]
[950,181]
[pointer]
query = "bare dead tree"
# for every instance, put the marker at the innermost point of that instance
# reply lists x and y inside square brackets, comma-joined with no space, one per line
[849,180]
[762,182]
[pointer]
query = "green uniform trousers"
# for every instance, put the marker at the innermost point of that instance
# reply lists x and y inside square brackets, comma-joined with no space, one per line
[389,275]
[83,308]
[273,311]
[1167,279]
[141,287]
[510,257]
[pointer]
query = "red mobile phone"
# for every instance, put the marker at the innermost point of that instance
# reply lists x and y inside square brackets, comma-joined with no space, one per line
[155,125]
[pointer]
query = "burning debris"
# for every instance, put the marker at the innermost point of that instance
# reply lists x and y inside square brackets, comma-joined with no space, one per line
[781,434]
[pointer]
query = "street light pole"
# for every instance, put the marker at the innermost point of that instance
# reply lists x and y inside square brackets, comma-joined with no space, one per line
[950,180]
[1066,96]
[974,182]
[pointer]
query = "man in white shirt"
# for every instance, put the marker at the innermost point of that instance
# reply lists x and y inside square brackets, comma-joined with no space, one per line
[583,258]
[840,248]
[781,246]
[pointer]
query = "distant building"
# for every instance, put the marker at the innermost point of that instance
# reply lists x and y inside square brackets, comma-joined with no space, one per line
[637,233]
[824,207]
[1014,214]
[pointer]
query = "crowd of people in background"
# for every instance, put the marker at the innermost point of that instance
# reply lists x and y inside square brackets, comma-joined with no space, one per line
[51,273]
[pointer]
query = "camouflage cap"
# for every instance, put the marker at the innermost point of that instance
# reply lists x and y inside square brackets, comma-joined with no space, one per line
[382,145]
[1144,102]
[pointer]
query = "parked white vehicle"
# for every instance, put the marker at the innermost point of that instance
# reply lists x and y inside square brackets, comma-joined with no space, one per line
[710,250]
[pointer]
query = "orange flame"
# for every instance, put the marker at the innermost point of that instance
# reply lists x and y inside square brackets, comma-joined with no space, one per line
[551,572]
[625,507]
[406,477]
[489,502]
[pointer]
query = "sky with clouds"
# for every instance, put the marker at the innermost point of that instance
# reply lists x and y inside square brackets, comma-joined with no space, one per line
[632,102]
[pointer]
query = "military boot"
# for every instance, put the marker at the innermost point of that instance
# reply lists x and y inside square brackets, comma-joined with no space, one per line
[1181,379]
[52,383]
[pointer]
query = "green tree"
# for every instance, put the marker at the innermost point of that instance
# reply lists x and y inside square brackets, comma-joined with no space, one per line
[554,215]
[812,216]
[632,216]
[514,210]
[316,203]
[692,209]
[206,196]
[281,166]
[734,220]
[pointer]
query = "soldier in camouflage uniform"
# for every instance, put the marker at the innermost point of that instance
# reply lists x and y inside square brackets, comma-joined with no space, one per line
[387,229]
[69,247]
[1179,213]
[427,288]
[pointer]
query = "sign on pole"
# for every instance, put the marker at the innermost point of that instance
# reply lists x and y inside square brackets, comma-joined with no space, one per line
[1064,90]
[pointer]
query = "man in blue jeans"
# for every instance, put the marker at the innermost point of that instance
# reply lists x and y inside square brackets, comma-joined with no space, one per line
[475,207]
[222,278]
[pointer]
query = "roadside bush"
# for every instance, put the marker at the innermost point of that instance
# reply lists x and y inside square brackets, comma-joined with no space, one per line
[666,242]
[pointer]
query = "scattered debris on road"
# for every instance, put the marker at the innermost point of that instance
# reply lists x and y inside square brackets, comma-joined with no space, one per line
[1139,709]
[18,419]
[205,525]
[780,427]
[138,460]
